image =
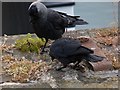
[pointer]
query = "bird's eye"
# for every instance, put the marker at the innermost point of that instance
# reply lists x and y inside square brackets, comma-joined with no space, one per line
[33,11]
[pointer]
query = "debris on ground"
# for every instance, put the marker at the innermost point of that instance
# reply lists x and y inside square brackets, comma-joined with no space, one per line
[107,40]
[24,69]
[108,36]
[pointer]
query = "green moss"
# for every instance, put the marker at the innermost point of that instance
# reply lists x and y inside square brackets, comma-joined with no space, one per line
[29,43]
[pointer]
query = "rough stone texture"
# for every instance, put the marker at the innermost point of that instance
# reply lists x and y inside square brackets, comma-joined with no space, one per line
[69,78]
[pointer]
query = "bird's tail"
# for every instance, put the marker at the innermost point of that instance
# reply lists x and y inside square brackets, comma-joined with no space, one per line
[94,58]
[74,20]
[80,22]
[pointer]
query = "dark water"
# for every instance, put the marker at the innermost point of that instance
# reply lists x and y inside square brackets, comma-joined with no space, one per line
[98,14]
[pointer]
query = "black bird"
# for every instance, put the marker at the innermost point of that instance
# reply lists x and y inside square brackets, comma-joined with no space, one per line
[50,24]
[68,50]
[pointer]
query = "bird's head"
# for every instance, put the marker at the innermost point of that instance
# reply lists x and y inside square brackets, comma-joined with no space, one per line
[37,9]
[33,11]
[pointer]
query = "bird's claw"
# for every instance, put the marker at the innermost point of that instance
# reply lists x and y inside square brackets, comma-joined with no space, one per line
[59,69]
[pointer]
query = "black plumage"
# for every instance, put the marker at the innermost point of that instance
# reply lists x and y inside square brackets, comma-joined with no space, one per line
[50,24]
[68,50]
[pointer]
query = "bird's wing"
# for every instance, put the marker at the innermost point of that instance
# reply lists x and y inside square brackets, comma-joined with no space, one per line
[72,20]
[65,14]
[61,19]
[56,19]
[75,49]
[65,48]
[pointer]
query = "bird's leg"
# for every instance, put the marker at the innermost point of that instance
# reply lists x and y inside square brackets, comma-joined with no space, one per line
[76,65]
[44,47]
[65,29]
[52,58]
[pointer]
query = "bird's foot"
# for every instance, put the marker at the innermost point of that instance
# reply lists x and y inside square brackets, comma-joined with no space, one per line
[74,67]
[80,68]
[43,51]
[60,68]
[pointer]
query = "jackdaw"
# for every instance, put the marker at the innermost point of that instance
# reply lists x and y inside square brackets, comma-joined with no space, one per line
[67,50]
[50,24]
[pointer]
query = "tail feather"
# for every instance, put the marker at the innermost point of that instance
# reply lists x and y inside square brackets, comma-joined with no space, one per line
[76,21]
[73,20]
[80,22]
[94,58]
